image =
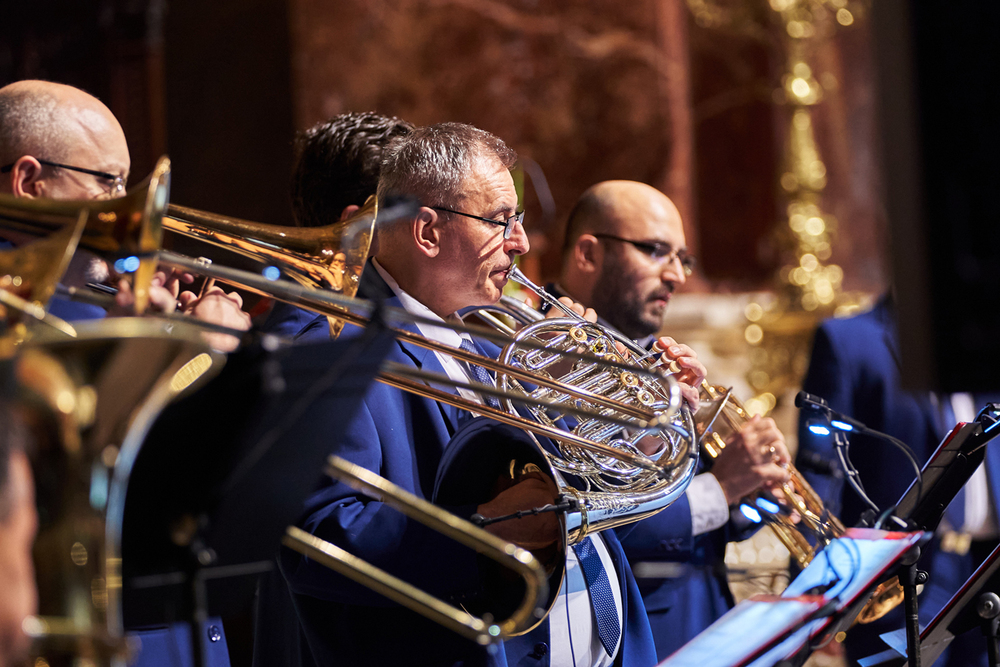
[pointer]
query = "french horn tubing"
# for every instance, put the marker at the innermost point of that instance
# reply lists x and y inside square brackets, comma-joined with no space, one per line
[805,528]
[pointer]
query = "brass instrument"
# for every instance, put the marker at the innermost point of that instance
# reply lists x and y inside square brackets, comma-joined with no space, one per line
[480,630]
[93,399]
[719,416]
[610,393]
[128,228]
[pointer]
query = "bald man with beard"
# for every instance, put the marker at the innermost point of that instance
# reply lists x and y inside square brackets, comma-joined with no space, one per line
[625,255]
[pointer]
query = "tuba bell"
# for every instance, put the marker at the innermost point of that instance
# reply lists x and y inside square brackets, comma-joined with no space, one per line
[91,400]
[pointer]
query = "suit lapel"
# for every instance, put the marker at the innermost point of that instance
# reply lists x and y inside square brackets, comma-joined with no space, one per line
[373,287]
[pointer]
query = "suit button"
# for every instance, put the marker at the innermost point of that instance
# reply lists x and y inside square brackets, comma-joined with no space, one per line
[214,633]
[541,650]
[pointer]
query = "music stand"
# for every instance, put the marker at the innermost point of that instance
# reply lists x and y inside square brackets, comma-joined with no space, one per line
[827,595]
[224,471]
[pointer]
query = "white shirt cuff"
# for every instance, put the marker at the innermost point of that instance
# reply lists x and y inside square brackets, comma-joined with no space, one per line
[709,509]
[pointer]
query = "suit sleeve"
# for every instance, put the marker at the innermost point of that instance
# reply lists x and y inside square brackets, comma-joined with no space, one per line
[666,535]
[372,530]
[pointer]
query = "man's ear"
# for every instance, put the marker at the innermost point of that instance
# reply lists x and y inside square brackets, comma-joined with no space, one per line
[348,211]
[587,255]
[426,230]
[26,178]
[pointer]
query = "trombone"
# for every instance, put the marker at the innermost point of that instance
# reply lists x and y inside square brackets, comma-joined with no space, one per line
[308,263]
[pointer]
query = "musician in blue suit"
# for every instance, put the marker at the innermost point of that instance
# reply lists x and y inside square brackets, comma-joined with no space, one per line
[452,254]
[855,367]
[625,255]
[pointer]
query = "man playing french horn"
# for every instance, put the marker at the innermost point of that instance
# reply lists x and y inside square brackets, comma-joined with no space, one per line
[625,255]
[454,253]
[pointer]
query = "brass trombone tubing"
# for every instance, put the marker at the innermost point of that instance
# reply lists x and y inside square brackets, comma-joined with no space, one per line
[406,384]
[336,305]
[506,554]
[36,312]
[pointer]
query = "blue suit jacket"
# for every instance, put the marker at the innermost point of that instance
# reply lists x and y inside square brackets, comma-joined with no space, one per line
[402,437]
[855,367]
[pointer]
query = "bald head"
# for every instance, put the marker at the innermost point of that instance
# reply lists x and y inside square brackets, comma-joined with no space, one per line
[626,283]
[41,120]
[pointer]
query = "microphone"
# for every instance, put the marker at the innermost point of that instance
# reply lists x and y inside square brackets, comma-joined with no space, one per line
[807,401]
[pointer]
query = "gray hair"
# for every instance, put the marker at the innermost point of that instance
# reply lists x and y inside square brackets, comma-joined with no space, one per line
[431,163]
[31,121]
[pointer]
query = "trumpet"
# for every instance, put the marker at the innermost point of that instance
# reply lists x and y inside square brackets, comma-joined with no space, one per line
[128,229]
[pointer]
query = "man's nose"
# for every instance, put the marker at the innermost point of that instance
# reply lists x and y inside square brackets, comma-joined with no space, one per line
[673,271]
[518,241]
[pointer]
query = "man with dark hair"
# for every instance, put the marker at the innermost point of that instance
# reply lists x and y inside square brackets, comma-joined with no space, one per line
[336,171]
[338,165]
[454,252]
[625,255]
[18,523]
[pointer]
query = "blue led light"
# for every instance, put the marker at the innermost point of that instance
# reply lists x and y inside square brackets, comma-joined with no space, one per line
[271,273]
[768,506]
[120,265]
[750,513]
[843,426]
[131,264]
[819,429]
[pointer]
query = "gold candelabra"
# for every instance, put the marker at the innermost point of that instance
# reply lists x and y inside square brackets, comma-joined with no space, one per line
[808,285]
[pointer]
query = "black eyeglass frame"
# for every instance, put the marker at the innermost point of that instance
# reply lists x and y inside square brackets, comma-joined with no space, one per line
[508,224]
[117,182]
[656,250]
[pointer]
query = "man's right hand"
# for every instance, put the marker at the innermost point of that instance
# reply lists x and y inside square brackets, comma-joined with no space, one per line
[753,457]
[539,534]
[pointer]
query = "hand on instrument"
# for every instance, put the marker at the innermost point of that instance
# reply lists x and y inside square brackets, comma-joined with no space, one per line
[588,314]
[691,372]
[163,289]
[540,534]
[216,306]
[756,456]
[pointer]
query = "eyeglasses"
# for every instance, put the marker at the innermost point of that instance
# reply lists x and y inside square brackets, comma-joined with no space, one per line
[117,182]
[658,251]
[508,224]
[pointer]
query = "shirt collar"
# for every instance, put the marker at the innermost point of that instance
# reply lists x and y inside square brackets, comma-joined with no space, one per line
[444,335]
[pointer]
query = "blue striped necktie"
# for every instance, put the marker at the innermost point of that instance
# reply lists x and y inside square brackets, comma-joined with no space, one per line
[601,597]
[479,373]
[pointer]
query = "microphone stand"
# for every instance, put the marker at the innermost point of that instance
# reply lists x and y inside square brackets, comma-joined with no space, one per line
[922,507]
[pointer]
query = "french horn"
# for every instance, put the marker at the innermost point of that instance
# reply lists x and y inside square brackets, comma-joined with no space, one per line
[803,525]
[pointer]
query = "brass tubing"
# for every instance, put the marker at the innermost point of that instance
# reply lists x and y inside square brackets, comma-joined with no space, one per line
[335,305]
[504,417]
[508,555]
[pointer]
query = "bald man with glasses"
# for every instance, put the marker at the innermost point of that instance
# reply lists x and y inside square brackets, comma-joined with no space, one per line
[625,255]
[58,142]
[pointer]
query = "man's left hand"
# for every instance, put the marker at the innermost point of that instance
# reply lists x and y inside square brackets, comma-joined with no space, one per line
[217,307]
[691,372]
